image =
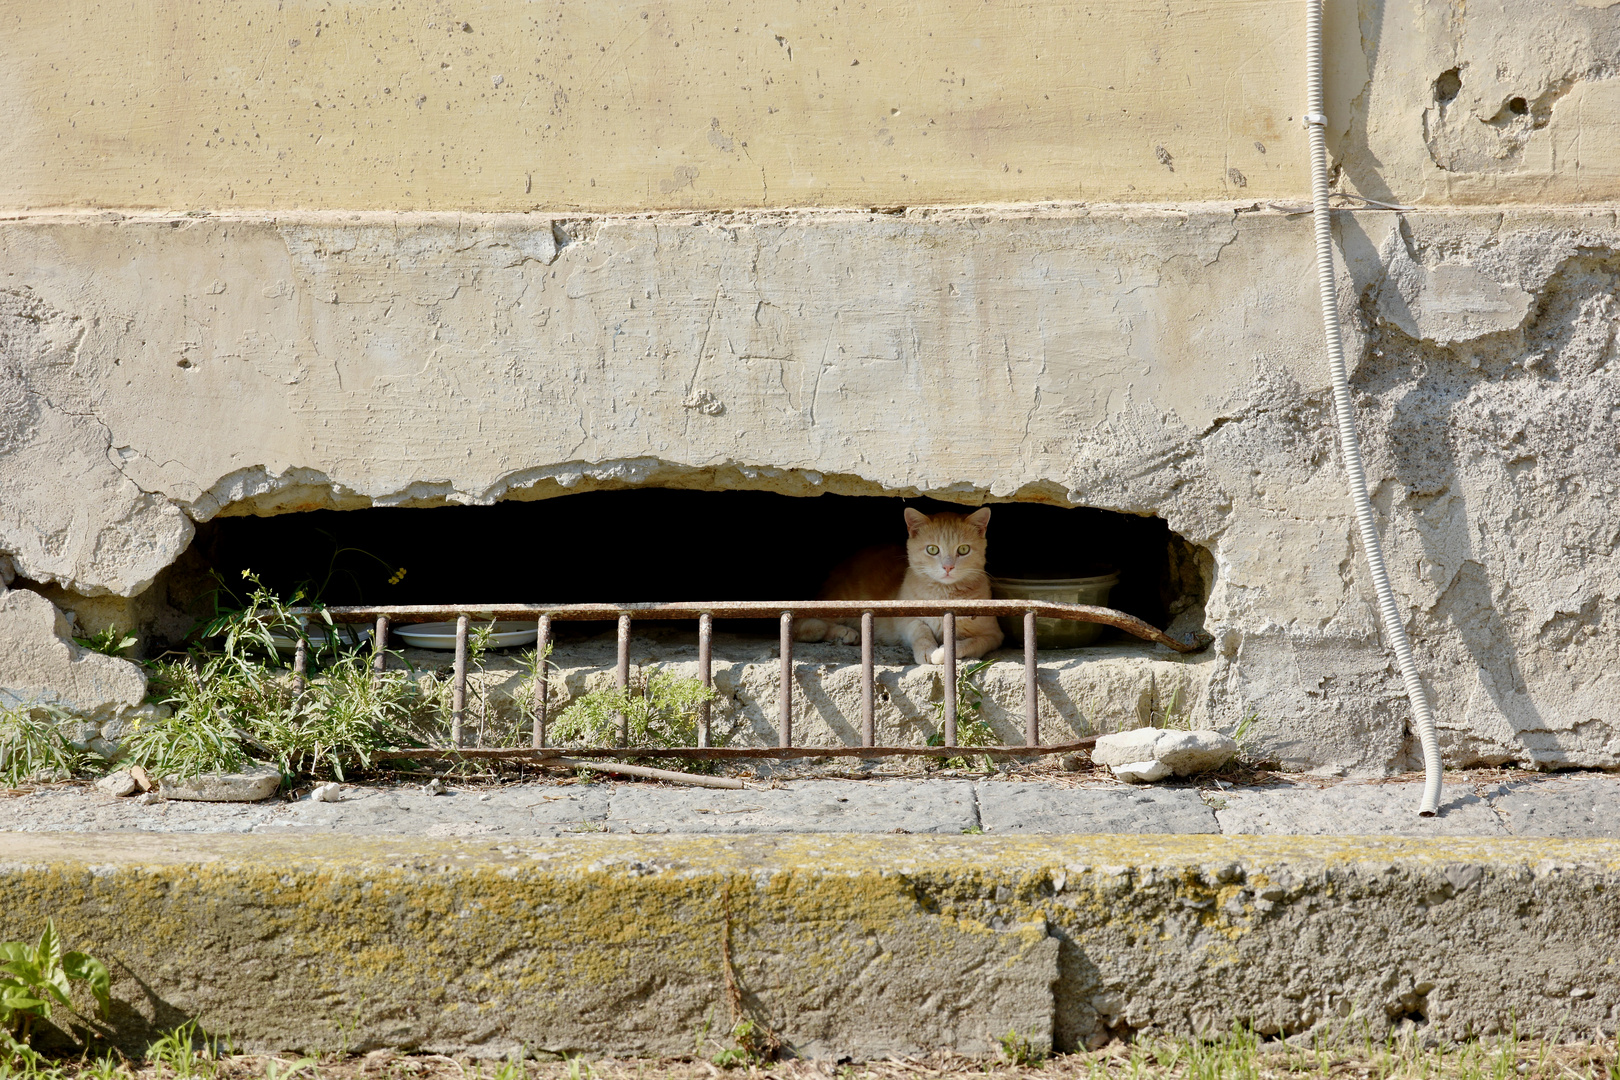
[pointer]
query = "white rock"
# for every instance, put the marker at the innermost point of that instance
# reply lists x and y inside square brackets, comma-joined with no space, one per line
[327,793]
[119,784]
[1141,772]
[1188,752]
[148,798]
[1126,747]
[434,787]
[249,785]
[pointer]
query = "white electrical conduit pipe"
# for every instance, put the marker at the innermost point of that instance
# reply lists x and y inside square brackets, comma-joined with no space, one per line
[1343,407]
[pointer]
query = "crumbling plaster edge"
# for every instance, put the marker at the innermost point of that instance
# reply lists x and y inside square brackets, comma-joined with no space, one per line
[951,212]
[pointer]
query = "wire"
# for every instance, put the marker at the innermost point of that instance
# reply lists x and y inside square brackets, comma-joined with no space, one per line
[1344,410]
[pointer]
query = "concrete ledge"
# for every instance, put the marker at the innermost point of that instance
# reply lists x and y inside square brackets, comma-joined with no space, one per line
[843,944]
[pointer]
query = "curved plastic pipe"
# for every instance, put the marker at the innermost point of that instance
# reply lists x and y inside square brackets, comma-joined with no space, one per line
[1349,442]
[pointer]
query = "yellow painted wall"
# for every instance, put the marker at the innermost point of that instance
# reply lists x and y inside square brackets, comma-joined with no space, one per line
[507,105]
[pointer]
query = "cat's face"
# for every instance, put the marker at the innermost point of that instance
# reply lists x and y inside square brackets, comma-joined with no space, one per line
[947,548]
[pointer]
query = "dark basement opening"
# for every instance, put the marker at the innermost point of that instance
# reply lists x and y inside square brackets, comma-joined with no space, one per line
[654,544]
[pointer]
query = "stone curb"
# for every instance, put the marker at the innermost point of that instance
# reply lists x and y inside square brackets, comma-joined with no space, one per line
[843,944]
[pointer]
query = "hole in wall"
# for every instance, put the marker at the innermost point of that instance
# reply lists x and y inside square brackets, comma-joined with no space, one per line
[665,544]
[1448,85]
[1518,106]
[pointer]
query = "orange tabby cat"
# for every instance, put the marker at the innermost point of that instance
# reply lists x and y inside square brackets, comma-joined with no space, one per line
[942,560]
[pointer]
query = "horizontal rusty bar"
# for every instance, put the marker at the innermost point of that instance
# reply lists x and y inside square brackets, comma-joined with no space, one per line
[761,609]
[724,753]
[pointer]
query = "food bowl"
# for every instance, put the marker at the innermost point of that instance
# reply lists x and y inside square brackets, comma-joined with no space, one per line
[1054,633]
[442,635]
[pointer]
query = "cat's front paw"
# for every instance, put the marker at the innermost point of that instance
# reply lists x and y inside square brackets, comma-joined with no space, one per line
[844,635]
[920,655]
[937,656]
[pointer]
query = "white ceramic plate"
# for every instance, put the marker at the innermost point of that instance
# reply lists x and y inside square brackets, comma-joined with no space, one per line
[348,635]
[442,635]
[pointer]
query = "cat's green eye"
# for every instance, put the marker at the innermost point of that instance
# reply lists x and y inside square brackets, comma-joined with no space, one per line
[932,549]
[963,550]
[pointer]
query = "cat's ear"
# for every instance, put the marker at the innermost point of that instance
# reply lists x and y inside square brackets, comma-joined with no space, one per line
[915,520]
[979,519]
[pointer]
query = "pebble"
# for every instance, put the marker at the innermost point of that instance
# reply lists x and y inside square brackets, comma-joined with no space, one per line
[327,793]
[434,787]
[119,784]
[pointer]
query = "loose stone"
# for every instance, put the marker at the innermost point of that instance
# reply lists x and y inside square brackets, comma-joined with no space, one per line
[1141,772]
[249,785]
[119,784]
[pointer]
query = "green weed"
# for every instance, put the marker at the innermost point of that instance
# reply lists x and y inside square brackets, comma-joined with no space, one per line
[276,1069]
[34,746]
[210,704]
[662,713]
[103,1068]
[34,978]
[347,714]
[110,642]
[1018,1050]
[971,728]
[752,1044]
[186,1052]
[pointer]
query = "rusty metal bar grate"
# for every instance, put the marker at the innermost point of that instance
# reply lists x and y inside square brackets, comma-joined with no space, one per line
[786,613]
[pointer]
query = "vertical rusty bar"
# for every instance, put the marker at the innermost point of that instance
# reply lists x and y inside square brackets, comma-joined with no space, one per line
[1032,701]
[705,675]
[300,664]
[868,722]
[542,679]
[623,674]
[947,627]
[379,646]
[458,689]
[784,693]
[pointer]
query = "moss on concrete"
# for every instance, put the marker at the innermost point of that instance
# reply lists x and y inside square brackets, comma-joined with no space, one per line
[843,944]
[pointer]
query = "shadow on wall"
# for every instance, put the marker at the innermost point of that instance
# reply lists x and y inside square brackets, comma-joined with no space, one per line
[657,544]
[1465,431]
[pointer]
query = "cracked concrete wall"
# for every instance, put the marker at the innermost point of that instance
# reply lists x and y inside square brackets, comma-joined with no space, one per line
[1162,362]
[320,337]
[1493,102]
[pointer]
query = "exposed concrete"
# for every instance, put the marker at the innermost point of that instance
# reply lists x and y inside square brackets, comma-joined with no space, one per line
[1145,361]
[842,944]
[1500,101]
[1035,808]
[1542,806]
[40,664]
[1373,810]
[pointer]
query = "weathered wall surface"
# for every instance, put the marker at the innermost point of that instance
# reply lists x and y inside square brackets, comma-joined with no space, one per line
[498,106]
[1159,362]
[257,262]
[501,105]
[844,945]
